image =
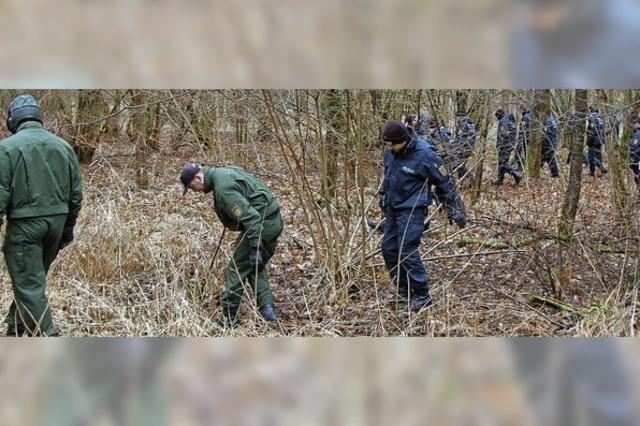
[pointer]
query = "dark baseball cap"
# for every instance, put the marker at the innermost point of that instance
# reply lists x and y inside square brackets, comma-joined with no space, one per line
[189,171]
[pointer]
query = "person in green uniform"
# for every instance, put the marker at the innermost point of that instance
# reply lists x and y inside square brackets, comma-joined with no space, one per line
[243,203]
[41,195]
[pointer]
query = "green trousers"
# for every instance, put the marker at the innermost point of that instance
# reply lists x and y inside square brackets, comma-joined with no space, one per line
[30,246]
[241,271]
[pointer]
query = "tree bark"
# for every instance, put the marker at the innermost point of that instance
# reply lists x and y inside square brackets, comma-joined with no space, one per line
[572,194]
[542,107]
[91,106]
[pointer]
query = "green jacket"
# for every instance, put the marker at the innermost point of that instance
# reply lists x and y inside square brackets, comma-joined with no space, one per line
[39,175]
[241,200]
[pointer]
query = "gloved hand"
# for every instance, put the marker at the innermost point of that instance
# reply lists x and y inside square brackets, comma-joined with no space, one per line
[67,237]
[255,258]
[459,218]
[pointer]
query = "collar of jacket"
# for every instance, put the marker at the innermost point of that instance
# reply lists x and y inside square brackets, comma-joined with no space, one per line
[29,125]
[208,179]
[409,147]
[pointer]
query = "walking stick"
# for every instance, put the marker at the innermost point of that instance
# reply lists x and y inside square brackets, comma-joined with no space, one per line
[215,254]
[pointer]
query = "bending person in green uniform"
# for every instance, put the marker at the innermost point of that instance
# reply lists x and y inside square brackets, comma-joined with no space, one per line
[41,194]
[243,203]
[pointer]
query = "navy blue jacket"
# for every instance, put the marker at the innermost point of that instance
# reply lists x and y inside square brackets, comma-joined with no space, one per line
[506,131]
[466,133]
[550,132]
[634,147]
[595,130]
[409,176]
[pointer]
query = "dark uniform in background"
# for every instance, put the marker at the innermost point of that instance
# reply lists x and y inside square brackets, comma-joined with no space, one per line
[41,195]
[505,143]
[409,175]
[441,140]
[423,125]
[523,138]
[243,203]
[411,121]
[634,154]
[550,144]
[595,140]
[465,140]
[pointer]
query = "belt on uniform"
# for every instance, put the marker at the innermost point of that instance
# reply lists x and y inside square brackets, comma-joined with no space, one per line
[273,215]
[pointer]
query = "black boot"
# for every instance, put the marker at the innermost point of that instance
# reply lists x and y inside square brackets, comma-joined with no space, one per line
[518,177]
[420,302]
[268,313]
[228,317]
[16,330]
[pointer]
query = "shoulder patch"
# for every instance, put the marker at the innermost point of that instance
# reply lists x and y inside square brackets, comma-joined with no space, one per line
[237,211]
[443,170]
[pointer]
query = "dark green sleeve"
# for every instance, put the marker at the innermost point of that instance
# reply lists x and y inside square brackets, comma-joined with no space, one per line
[75,199]
[5,182]
[235,205]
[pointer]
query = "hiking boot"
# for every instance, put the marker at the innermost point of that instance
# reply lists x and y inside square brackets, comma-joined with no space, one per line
[268,313]
[420,302]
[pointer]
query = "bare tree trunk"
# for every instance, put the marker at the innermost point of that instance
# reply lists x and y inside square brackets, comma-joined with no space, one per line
[542,107]
[329,157]
[143,132]
[477,180]
[621,195]
[572,195]
[91,106]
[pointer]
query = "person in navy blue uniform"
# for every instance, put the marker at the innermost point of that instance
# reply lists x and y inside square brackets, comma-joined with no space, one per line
[465,141]
[505,143]
[550,144]
[411,169]
[423,125]
[523,138]
[595,140]
[411,121]
[634,153]
[432,135]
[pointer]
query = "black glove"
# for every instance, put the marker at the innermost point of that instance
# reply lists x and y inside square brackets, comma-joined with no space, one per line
[67,237]
[255,258]
[459,218]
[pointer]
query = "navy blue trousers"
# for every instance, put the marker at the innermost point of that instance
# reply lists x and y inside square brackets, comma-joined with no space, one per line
[402,235]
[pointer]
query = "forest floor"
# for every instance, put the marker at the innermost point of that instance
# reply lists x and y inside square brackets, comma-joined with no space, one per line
[140,262]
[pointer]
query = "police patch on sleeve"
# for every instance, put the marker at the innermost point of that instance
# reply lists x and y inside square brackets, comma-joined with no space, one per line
[237,211]
[443,170]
